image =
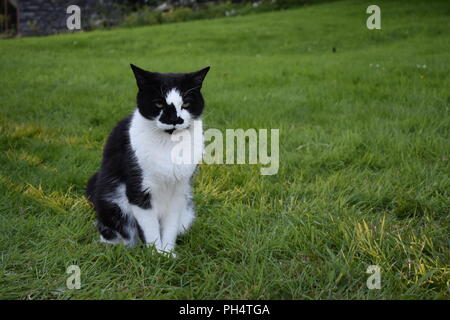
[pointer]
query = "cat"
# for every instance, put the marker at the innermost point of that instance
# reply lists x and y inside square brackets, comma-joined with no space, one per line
[139,192]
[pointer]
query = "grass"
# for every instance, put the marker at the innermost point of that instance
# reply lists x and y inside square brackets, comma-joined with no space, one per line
[364,157]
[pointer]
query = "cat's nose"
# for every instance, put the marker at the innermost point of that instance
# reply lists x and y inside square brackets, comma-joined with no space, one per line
[178,120]
[174,119]
[169,116]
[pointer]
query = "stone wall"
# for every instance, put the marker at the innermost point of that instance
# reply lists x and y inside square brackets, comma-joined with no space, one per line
[43,17]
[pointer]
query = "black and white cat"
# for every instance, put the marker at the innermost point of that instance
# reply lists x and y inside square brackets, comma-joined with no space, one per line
[139,191]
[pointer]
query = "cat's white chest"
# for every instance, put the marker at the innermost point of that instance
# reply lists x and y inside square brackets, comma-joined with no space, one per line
[155,152]
[158,166]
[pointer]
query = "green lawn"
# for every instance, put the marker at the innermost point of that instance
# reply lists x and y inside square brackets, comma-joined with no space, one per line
[364,157]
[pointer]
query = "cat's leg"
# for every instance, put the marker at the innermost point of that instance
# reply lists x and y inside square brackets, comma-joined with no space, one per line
[169,229]
[105,213]
[148,222]
[108,235]
[115,221]
[129,232]
[187,217]
[176,215]
[116,226]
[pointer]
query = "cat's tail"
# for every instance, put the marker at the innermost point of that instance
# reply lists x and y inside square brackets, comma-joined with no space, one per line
[90,189]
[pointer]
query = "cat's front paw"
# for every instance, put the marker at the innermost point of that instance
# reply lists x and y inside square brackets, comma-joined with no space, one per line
[168,253]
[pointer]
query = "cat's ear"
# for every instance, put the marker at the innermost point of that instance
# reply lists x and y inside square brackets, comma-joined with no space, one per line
[143,78]
[198,76]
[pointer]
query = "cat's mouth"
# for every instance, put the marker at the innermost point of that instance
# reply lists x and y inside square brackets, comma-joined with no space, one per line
[170,127]
[170,131]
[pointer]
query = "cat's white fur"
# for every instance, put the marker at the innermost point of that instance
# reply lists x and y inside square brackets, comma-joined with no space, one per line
[168,182]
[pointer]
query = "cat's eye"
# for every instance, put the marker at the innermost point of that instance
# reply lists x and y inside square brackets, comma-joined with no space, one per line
[185,105]
[159,105]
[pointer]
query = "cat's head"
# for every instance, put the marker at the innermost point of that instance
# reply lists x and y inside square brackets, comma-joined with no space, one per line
[171,100]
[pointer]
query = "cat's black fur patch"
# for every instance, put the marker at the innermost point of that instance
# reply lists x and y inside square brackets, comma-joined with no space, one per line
[118,166]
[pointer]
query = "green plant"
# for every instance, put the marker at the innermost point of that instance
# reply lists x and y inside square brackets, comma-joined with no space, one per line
[364,157]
